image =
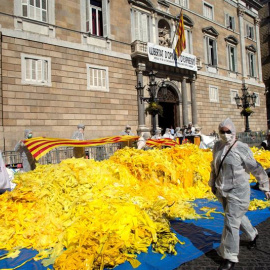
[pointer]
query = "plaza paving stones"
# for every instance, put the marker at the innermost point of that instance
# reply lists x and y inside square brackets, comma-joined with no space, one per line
[256,259]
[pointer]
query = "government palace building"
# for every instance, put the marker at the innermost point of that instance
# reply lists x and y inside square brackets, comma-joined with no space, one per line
[64,63]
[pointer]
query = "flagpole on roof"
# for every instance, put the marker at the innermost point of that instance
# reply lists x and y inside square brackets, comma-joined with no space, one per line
[177,25]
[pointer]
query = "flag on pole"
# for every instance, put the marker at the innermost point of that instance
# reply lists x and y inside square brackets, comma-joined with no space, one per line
[181,42]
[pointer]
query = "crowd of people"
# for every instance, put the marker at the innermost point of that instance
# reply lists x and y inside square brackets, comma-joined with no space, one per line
[186,130]
[170,133]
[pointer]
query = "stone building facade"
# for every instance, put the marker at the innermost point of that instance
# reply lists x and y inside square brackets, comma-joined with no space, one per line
[78,61]
[264,14]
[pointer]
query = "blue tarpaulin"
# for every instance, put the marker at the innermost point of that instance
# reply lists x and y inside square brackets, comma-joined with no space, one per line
[200,236]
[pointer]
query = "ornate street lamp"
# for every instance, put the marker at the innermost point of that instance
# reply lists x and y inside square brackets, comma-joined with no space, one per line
[152,99]
[245,102]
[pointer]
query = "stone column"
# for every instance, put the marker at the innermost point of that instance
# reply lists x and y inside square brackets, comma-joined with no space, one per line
[241,13]
[184,101]
[259,61]
[193,102]
[141,109]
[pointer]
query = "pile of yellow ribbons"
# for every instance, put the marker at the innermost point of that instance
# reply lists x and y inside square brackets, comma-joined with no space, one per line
[84,214]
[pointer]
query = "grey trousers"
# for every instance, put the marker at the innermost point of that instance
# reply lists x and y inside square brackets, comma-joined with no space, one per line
[235,204]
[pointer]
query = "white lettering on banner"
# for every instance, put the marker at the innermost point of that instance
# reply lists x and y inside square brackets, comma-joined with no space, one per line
[166,56]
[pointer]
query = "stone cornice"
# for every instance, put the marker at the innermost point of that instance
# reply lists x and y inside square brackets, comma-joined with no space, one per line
[210,31]
[241,11]
[251,48]
[164,3]
[231,39]
[65,44]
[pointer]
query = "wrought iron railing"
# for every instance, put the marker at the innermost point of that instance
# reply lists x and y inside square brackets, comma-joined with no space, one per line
[253,138]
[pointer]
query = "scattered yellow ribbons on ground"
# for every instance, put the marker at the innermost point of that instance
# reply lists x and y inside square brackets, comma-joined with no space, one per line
[84,214]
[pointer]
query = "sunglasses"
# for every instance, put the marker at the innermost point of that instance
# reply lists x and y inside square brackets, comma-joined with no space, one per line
[223,132]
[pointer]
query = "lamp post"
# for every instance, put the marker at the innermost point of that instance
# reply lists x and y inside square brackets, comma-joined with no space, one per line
[245,102]
[152,89]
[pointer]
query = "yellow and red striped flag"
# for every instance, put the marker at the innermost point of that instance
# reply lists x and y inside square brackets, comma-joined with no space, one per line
[39,146]
[161,142]
[181,42]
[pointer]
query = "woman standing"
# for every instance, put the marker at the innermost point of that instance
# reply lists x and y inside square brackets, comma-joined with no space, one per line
[232,163]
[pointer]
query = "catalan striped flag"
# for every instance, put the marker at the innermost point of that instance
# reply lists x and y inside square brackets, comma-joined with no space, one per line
[161,142]
[181,42]
[39,146]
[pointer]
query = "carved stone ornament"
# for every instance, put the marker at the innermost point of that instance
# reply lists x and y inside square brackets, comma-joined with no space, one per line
[257,21]
[241,11]
[164,37]
[171,96]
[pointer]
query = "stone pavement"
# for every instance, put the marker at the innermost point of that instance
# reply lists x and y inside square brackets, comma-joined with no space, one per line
[256,259]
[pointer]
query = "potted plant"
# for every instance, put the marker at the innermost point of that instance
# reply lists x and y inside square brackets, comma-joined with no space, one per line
[154,108]
[246,112]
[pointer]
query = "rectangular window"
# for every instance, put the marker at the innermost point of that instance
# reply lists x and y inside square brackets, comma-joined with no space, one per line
[208,11]
[94,20]
[233,94]
[141,26]
[211,46]
[249,31]
[213,94]
[183,3]
[258,102]
[232,58]
[230,22]
[36,70]
[188,41]
[251,64]
[35,10]
[97,78]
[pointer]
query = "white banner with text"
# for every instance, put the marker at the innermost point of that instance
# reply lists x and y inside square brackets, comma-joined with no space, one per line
[167,56]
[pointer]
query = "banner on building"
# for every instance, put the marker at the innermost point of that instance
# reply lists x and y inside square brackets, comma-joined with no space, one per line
[167,56]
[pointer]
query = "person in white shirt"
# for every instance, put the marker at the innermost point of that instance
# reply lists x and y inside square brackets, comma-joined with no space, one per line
[168,134]
[190,129]
[127,131]
[141,144]
[157,135]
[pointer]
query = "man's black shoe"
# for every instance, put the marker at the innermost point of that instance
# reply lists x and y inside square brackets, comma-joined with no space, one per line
[252,244]
[226,265]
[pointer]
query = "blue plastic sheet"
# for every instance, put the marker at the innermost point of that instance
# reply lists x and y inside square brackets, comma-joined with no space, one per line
[200,236]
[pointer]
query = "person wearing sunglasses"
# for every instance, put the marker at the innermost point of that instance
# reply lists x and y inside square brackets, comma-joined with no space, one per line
[232,164]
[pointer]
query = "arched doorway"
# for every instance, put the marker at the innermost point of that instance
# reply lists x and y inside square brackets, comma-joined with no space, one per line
[170,105]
